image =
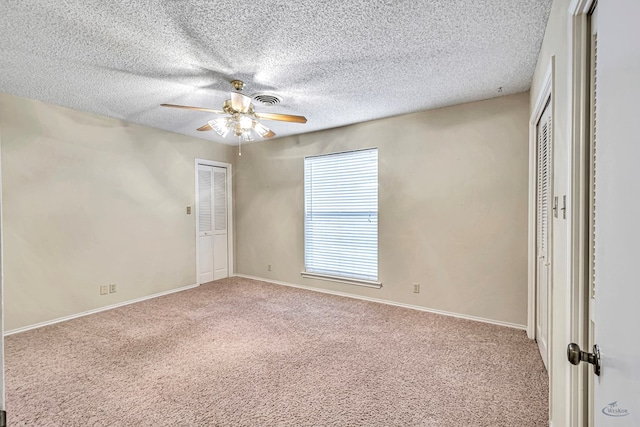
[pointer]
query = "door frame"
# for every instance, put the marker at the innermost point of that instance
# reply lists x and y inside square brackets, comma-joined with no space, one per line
[579,158]
[544,97]
[3,414]
[228,167]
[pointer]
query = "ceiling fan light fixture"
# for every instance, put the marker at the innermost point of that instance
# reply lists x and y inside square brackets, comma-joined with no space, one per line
[247,136]
[220,126]
[261,129]
[245,122]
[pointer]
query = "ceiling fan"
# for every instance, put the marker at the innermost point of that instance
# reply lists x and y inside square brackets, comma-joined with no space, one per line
[242,119]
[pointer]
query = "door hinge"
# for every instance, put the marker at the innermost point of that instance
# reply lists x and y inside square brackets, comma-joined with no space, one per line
[3,418]
[555,207]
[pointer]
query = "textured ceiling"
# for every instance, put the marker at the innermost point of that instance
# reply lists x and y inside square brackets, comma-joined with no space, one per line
[335,62]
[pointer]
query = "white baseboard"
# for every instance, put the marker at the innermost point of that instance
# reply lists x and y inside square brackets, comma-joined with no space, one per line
[96,310]
[397,304]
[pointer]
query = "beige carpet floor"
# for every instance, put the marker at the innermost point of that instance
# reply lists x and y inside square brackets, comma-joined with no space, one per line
[239,352]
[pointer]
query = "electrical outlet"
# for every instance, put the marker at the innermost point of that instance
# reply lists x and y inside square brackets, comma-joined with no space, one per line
[269,267]
[104,289]
[112,288]
[416,288]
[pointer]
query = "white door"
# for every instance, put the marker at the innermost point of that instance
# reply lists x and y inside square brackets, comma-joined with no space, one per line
[617,214]
[593,39]
[543,271]
[211,211]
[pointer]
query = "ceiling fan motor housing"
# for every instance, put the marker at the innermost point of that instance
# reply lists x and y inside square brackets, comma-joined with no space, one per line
[238,85]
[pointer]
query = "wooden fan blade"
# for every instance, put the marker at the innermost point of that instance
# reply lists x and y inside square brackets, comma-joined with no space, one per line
[205,127]
[282,117]
[240,102]
[186,107]
[270,134]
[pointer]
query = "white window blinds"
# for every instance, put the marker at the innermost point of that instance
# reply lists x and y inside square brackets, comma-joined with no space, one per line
[341,214]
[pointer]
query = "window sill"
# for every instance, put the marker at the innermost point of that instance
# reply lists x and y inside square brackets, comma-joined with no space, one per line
[338,279]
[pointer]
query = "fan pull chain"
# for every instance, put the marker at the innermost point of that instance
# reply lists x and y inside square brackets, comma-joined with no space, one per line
[239,145]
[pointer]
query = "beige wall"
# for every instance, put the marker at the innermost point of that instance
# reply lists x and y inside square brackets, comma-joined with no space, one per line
[452,200]
[89,200]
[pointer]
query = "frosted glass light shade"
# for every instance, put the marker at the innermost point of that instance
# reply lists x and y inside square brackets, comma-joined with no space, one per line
[220,126]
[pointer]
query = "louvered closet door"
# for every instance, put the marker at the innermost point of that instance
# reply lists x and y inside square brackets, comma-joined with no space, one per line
[544,139]
[220,243]
[212,223]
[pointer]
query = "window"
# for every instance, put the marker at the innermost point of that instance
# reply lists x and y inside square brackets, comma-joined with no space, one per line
[341,217]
